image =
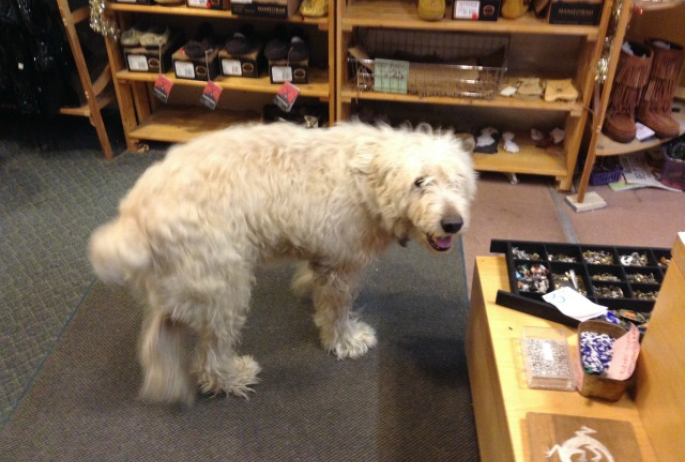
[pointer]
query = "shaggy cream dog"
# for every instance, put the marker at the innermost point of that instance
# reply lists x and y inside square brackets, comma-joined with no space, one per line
[192,230]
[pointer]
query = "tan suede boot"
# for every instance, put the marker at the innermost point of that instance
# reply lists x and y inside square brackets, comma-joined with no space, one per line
[655,108]
[632,74]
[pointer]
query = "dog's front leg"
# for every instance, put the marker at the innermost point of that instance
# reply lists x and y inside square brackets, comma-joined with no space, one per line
[341,332]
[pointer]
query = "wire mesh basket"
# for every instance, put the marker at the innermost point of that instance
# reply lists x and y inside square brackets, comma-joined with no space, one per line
[423,63]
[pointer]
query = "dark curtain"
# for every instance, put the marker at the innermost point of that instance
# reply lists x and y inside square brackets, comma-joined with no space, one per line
[36,63]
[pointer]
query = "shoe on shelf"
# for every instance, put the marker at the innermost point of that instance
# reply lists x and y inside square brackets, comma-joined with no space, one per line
[202,43]
[276,48]
[632,74]
[242,42]
[131,36]
[654,109]
[156,37]
[314,8]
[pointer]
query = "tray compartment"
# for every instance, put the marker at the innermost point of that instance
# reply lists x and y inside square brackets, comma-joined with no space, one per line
[562,273]
[563,253]
[606,273]
[599,255]
[643,275]
[531,278]
[635,256]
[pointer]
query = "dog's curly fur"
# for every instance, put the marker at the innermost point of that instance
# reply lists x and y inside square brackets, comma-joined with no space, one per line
[191,231]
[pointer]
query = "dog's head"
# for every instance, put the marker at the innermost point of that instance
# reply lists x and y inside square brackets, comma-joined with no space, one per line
[423,183]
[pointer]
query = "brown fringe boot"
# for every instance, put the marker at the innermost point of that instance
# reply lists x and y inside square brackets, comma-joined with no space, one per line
[632,74]
[655,108]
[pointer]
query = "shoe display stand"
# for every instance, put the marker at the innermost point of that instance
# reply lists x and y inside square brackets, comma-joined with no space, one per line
[599,144]
[532,40]
[146,118]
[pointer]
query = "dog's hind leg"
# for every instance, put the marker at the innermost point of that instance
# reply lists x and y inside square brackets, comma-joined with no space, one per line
[165,375]
[219,368]
[341,332]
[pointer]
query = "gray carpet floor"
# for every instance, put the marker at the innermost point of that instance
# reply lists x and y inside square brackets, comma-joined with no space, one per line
[55,187]
[68,370]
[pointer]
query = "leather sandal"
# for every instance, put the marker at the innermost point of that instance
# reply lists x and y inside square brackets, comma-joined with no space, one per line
[560,89]
[314,8]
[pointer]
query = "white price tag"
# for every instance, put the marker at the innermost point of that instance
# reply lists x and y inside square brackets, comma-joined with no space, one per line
[466,9]
[231,67]
[197,3]
[281,73]
[184,69]
[137,63]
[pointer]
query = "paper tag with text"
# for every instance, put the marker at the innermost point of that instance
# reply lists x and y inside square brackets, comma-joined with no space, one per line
[162,87]
[210,95]
[286,96]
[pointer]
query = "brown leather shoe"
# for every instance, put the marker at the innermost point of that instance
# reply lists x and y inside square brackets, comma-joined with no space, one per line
[655,107]
[632,74]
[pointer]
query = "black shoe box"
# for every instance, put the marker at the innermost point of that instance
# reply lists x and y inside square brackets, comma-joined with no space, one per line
[289,71]
[151,60]
[188,68]
[249,65]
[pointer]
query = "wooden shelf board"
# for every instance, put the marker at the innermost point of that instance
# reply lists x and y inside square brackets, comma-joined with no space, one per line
[529,160]
[609,147]
[402,15]
[350,93]
[318,86]
[178,125]
[182,10]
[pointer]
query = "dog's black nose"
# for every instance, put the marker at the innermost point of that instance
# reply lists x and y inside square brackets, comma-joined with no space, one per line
[451,225]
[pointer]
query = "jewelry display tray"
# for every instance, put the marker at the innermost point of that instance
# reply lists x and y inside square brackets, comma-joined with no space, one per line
[532,301]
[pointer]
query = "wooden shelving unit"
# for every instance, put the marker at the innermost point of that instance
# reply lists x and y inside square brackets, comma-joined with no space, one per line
[401,14]
[146,119]
[599,144]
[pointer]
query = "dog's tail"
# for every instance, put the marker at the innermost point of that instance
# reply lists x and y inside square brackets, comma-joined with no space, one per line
[118,250]
[160,349]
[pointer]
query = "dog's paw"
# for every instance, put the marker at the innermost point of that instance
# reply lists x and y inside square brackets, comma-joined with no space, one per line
[236,380]
[354,340]
[245,370]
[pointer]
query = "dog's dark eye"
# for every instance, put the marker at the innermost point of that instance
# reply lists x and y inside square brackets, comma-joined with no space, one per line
[419,182]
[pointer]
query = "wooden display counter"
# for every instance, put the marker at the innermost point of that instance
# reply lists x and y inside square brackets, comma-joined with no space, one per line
[501,397]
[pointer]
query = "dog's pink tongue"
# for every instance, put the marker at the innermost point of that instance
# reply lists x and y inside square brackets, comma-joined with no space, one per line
[444,242]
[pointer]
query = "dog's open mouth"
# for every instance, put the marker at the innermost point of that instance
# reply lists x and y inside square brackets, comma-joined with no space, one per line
[440,243]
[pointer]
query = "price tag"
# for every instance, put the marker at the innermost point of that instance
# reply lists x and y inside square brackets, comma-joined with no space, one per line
[162,87]
[286,96]
[210,95]
[184,70]
[466,9]
[137,63]
[231,67]
[281,74]
[390,76]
